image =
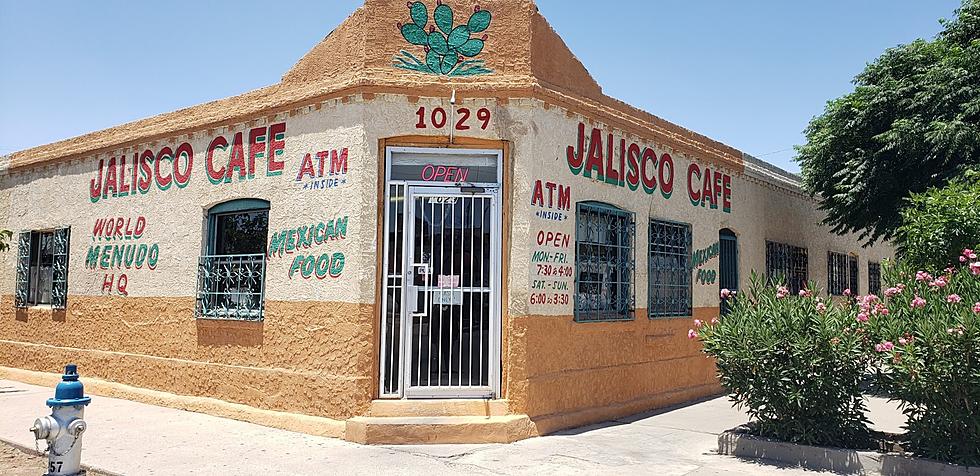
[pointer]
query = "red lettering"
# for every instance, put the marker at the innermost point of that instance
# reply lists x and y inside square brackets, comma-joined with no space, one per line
[277,145]
[123,184]
[146,172]
[564,197]
[431,172]
[692,190]
[573,154]
[633,176]
[595,154]
[551,193]
[726,186]
[140,226]
[537,196]
[666,182]
[183,177]
[338,163]
[163,182]
[215,175]
[306,168]
[649,180]
[95,186]
[706,188]
[110,178]
[256,147]
[237,160]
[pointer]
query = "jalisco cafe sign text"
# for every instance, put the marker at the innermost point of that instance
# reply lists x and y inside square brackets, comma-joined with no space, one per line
[628,165]
[224,159]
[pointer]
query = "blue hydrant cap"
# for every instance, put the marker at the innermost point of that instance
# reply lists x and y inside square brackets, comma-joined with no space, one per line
[69,391]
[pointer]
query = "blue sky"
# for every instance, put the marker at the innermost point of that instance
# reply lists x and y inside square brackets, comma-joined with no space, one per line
[749,73]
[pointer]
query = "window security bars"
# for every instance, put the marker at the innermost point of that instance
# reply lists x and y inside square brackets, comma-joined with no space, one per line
[788,262]
[838,273]
[669,269]
[604,284]
[852,264]
[874,278]
[42,268]
[231,287]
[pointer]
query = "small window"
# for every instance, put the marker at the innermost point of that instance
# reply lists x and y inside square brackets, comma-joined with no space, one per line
[842,274]
[788,263]
[604,266]
[42,268]
[669,266]
[874,278]
[231,273]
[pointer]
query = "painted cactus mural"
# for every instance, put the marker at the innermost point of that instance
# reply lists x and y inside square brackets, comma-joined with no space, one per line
[447,46]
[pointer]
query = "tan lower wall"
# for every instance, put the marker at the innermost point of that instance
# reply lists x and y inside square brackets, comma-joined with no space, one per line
[314,358]
[566,373]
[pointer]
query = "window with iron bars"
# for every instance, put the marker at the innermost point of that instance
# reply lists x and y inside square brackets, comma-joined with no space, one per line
[789,263]
[604,263]
[669,269]
[874,278]
[231,274]
[42,268]
[842,273]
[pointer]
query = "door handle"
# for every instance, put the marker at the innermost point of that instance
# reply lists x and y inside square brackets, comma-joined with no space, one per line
[427,288]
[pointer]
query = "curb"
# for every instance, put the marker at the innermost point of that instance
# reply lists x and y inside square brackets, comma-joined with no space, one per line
[35,452]
[839,460]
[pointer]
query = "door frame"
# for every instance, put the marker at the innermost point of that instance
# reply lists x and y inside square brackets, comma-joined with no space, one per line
[441,145]
[493,358]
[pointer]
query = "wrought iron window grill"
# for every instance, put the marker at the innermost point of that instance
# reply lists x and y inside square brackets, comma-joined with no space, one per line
[37,282]
[231,287]
[839,273]
[788,263]
[669,269]
[874,278]
[604,263]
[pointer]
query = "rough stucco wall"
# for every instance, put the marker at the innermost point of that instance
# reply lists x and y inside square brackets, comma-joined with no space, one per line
[563,371]
[312,354]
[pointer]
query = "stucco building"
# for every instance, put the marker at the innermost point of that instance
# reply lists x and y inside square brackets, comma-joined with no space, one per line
[436,227]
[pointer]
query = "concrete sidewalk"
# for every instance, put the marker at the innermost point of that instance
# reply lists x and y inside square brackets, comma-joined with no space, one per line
[132,438]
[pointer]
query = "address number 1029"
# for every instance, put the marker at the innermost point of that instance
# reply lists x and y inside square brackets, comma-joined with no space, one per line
[437,118]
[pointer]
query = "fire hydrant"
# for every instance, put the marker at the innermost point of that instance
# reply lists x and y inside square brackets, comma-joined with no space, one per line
[64,427]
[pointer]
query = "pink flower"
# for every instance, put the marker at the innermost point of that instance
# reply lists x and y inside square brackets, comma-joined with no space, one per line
[726,293]
[806,293]
[963,259]
[714,320]
[918,302]
[976,308]
[847,292]
[862,317]
[953,298]
[821,307]
[922,276]
[884,346]
[892,292]
[975,268]
[692,334]
[782,292]
[698,323]
[881,309]
[902,341]
[939,282]
[888,345]
[900,286]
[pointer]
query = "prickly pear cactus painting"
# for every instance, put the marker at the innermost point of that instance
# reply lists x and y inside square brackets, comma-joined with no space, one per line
[447,47]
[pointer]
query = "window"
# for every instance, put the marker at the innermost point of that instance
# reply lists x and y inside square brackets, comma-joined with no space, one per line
[231,273]
[842,273]
[787,262]
[669,277]
[42,268]
[874,278]
[603,263]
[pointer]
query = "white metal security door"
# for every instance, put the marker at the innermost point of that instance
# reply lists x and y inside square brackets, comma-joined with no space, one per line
[451,293]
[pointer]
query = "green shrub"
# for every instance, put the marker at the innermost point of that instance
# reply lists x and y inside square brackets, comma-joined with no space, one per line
[794,363]
[939,223]
[926,347]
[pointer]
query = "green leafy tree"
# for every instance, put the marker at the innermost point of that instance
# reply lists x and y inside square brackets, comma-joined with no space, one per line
[940,223]
[912,122]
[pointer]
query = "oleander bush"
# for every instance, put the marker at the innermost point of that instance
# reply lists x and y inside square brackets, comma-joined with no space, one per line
[794,362]
[925,346]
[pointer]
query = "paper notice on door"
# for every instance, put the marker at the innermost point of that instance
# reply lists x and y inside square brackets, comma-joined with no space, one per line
[448,281]
[447,297]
